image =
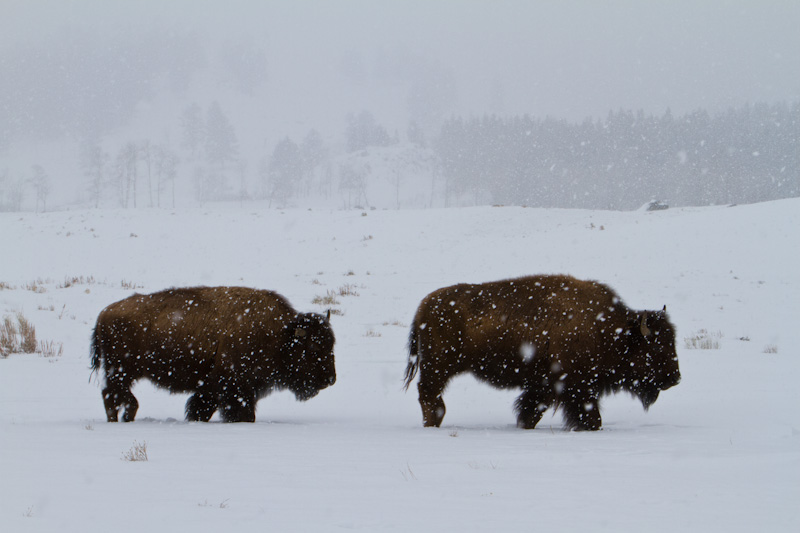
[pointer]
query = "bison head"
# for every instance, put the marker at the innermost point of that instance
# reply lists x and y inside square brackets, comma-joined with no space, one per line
[653,361]
[310,355]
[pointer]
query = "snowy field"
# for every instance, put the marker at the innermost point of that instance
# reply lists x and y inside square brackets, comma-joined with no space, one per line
[719,452]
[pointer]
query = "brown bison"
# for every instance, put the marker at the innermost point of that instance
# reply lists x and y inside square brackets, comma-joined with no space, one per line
[563,341]
[228,346]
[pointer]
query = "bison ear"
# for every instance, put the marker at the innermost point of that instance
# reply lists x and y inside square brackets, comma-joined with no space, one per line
[300,333]
[643,324]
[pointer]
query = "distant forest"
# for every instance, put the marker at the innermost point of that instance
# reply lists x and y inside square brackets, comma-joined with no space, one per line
[745,155]
[749,154]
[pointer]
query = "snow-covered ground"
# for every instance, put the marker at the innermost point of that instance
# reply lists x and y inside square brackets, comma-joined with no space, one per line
[719,452]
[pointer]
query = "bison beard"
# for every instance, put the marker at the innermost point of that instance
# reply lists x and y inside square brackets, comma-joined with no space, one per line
[228,346]
[565,342]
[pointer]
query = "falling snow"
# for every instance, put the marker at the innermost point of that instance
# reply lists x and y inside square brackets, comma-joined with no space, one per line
[717,452]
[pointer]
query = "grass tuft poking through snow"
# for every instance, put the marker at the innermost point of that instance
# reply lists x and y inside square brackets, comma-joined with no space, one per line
[703,340]
[348,289]
[138,452]
[17,337]
[328,299]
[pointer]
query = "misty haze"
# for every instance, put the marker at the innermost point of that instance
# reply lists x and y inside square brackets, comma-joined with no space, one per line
[402,104]
[626,171]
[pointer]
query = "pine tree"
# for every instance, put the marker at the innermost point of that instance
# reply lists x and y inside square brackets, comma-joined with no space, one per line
[312,153]
[193,129]
[221,148]
[285,171]
[363,131]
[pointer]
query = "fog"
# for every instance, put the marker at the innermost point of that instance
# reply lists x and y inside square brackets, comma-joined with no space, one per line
[112,71]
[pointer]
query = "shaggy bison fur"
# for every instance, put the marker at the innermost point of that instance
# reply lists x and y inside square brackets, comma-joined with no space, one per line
[565,342]
[228,346]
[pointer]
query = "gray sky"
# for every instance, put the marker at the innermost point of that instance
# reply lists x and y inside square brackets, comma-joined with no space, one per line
[567,59]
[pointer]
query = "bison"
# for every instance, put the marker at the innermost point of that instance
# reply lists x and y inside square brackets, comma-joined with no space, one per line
[565,342]
[228,346]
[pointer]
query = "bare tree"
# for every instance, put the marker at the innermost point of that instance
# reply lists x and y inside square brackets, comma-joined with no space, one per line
[126,175]
[40,182]
[3,185]
[145,155]
[165,163]
[353,181]
[94,162]
[241,167]
[11,192]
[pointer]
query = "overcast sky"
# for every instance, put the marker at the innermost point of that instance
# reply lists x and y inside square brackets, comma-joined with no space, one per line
[568,59]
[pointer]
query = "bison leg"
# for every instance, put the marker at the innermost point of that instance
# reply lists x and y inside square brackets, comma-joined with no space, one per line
[239,410]
[116,398]
[200,407]
[430,399]
[530,407]
[433,410]
[131,405]
[582,412]
[117,394]
[110,402]
[238,404]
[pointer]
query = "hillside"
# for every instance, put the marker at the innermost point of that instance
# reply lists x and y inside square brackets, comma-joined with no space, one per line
[718,452]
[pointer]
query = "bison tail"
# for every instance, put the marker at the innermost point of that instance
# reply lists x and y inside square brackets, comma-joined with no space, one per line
[97,353]
[413,357]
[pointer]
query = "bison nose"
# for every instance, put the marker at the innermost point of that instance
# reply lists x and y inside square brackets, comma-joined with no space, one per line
[331,380]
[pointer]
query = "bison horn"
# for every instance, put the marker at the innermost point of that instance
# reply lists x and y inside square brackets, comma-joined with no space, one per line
[328,316]
[644,329]
[300,332]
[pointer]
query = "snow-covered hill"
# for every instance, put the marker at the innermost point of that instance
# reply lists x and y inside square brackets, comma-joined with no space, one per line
[719,452]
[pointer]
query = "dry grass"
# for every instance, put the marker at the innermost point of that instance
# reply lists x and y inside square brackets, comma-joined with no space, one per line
[703,340]
[17,336]
[372,333]
[348,289]
[50,349]
[130,285]
[328,300]
[36,286]
[771,348]
[8,337]
[222,505]
[27,333]
[408,474]
[70,281]
[138,452]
